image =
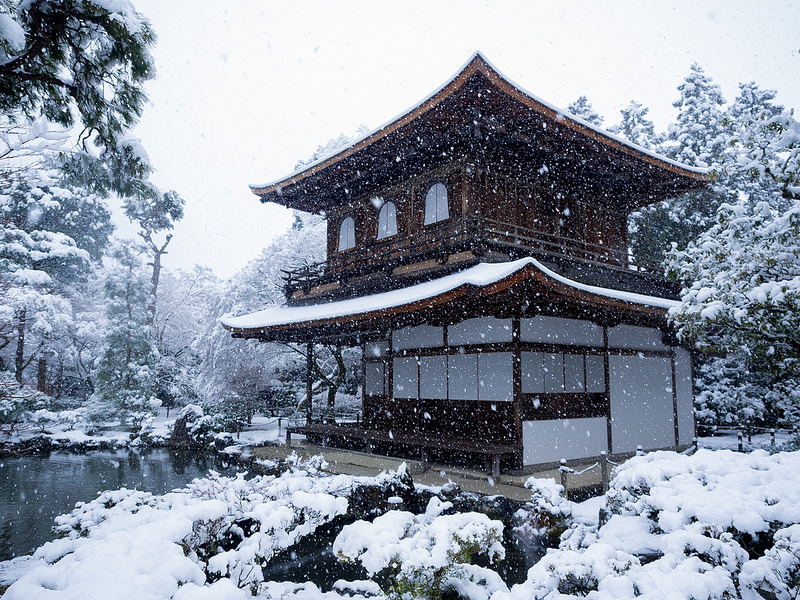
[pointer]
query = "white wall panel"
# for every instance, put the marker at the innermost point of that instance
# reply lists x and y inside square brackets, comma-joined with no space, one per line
[632,337]
[482,330]
[552,440]
[557,330]
[574,374]
[495,376]
[462,371]
[420,336]
[405,377]
[553,373]
[641,403]
[532,373]
[595,373]
[433,377]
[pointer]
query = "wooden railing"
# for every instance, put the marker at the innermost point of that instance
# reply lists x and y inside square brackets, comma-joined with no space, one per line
[475,234]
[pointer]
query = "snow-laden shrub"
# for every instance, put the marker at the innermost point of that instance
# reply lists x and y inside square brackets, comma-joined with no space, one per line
[777,573]
[427,554]
[269,514]
[550,511]
[17,403]
[194,427]
[207,540]
[714,525]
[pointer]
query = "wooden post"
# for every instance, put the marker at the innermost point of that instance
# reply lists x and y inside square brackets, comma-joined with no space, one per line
[740,440]
[772,436]
[563,469]
[309,380]
[604,470]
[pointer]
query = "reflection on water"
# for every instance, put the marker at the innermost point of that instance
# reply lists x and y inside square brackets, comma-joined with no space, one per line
[34,490]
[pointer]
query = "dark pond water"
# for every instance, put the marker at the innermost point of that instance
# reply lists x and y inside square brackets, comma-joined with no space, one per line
[34,490]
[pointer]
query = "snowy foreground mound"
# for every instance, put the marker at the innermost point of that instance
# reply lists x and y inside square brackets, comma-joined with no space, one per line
[714,525]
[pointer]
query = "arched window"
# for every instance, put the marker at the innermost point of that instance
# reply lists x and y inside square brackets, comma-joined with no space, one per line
[387,220]
[436,204]
[347,234]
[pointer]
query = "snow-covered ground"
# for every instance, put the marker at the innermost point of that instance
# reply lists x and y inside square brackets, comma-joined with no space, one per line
[718,524]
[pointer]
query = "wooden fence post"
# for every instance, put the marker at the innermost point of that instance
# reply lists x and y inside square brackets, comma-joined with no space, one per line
[604,470]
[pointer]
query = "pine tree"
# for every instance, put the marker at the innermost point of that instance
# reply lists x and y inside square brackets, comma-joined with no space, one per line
[745,297]
[636,127]
[68,59]
[583,108]
[765,147]
[126,371]
[699,137]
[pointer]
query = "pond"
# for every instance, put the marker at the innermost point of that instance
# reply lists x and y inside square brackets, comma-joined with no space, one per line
[34,490]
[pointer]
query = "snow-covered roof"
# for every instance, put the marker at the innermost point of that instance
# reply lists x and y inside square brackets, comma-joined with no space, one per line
[489,277]
[478,62]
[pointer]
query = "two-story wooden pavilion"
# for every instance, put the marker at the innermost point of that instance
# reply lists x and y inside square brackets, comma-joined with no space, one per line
[478,252]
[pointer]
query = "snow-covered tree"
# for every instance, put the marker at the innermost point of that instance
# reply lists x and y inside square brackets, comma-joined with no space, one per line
[233,370]
[636,127]
[155,213]
[50,233]
[699,137]
[583,108]
[765,146]
[75,61]
[745,295]
[178,322]
[126,371]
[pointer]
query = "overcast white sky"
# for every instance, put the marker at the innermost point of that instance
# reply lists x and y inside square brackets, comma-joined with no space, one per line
[245,89]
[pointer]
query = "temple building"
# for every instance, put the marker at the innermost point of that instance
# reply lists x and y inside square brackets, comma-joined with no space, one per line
[478,253]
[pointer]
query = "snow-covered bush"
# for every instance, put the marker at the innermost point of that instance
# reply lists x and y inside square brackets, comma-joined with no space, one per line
[713,525]
[194,427]
[17,403]
[427,554]
[548,513]
[218,531]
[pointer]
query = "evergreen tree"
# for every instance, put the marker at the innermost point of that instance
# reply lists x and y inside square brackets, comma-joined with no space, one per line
[126,371]
[76,59]
[745,300]
[636,127]
[583,109]
[765,147]
[698,138]
[50,233]
[155,213]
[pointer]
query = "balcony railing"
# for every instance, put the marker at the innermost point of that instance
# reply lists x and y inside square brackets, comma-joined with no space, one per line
[478,235]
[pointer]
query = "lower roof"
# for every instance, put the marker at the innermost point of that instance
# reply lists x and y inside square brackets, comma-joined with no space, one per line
[454,292]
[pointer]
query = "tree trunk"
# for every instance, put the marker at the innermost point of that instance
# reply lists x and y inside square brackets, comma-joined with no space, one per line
[341,373]
[41,376]
[156,276]
[19,363]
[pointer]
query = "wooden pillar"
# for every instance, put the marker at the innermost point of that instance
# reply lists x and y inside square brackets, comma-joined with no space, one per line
[309,380]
